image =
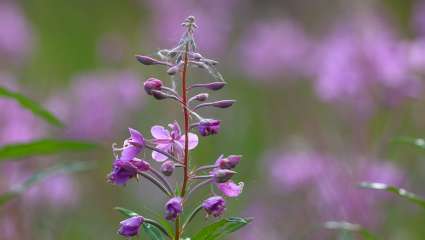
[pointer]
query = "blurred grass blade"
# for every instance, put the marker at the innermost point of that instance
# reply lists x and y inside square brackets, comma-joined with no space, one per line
[399,191]
[418,142]
[126,212]
[221,228]
[153,232]
[34,107]
[350,227]
[42,147]
[40,176]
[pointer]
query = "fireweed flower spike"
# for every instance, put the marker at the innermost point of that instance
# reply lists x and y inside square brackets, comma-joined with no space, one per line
[170,146]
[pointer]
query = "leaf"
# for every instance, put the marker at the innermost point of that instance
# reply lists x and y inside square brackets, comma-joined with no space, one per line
[221,228]
[40,176]
[34,107]
[42,147]
[418,142]
[345,227]
[392,189]
[153,232]
[126,212]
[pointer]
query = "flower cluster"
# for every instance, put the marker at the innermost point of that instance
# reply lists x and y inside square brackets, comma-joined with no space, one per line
[170,145]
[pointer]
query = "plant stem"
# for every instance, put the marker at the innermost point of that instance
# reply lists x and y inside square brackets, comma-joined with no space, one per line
[186,135]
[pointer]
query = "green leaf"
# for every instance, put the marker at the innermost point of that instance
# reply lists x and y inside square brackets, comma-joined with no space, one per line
[42,147]
[418,142]
[153,232]
[40,176]
[220,229]
[126,212]
[29,104]
[346,227]
[392,189]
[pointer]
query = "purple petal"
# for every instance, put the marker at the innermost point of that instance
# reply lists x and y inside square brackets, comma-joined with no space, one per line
[193,140]
[136,136]
[159,132]
[230,188]
[130,152]
[158,156]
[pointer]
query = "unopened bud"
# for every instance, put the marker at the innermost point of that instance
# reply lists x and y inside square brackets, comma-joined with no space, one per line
[196,56]
[223,103]
[201,97]
[167,168]
[228,163]
[174,69]
[159,95]
[222,175]
[208,127]
[211,86]
[147,60]
[152,84]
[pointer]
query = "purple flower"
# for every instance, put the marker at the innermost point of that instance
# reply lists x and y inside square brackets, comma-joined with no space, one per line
[228,163]
[173,208]
[131,226]
[167,168]
[231,189]
[152,84]
[171,141]
[132,146]
[214,206]
[124,170]
[208,127]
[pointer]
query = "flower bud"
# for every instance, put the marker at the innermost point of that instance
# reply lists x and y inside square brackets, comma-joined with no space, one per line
[211,86]
[174,69]
[173,208]
[208,127]
[200,97]
[152,84]
[196,56]
[167,168]
[228,163]
[223,103]
[159,95]
[222,175]
[214,206]
[131,226]
[145,60]
[140,164]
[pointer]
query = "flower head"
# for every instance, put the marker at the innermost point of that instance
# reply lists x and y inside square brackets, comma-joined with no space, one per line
[125,170]
[131,226]
[173,208]
[214,206]
[208,127]
[133,145]
[228,163]
[171,141]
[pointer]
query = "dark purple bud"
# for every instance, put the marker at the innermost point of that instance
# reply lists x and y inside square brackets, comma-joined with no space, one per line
[208,127]
[200,97]
[211,86]
[228,163]
[214,206]
[131,226]
[152,84]
[167,168]
[148,60]
[159,95]
[223,103]
[173,208]
[222,175]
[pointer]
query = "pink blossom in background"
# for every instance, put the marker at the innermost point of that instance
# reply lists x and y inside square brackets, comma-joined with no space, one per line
[273,49]
[363,63]
[97,101]
[215,17]
[15,33]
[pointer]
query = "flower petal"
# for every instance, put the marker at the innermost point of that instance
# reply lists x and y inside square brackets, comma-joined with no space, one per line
[193,140]
[230,188]
[159,157]
[159,132]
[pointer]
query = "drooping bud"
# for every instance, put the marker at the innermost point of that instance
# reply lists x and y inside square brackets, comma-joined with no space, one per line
[131,226]
[211,86]
[196,56]
[228,163]
[159,95]
[173,208]
[223,103]
[214,206]
[222,175]
[208,127]
[167,168]
[145,60]
[152,84]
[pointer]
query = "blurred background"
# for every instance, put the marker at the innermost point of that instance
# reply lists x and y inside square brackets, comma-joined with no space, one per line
[323,89]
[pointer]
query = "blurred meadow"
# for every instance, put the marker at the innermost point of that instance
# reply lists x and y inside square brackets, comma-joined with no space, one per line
[329,95]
